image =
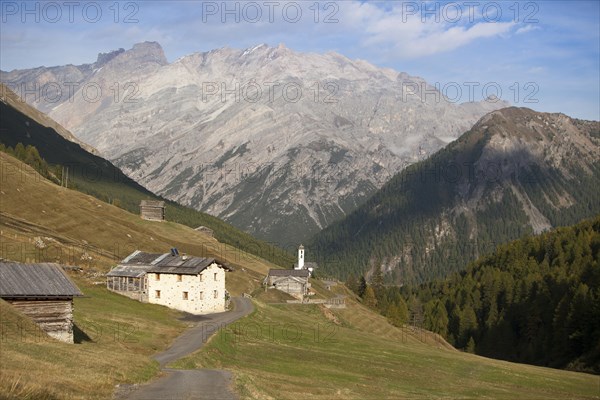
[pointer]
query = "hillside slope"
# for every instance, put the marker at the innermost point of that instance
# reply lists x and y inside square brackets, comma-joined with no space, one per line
[535,300]
[41,221]
[278,143]
[285,352]
[515,172]
[94,175]
[278,352]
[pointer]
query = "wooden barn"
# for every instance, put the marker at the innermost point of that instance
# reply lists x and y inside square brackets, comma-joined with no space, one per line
[152,210]
[291,281]
[44,293]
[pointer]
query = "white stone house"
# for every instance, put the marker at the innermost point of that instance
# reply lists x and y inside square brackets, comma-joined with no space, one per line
[192,284]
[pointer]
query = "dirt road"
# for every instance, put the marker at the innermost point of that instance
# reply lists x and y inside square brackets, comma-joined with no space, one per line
[191,384]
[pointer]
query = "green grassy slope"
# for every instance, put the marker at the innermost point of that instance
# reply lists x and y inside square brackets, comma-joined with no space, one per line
[291,351]
[313,353]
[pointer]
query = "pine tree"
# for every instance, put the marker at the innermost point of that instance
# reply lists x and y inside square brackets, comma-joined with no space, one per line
[369,299]
[362,286]
[436,317]
[377,282]
[470,348]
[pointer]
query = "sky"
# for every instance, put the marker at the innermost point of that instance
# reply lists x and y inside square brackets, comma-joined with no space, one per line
[544,55]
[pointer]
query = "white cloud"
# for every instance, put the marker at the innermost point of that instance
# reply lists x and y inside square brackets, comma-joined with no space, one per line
[413,35]
[527,28]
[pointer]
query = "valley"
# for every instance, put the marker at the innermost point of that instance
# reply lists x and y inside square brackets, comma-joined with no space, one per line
[263,138]
[119,334]
[357,200]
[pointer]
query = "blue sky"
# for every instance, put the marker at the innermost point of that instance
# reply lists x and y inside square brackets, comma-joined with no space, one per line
[542,54]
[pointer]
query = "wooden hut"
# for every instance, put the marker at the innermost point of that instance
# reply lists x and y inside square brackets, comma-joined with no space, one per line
[44,293]
[152,210]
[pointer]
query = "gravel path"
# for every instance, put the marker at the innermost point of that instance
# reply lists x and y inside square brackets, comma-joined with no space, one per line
[177,384]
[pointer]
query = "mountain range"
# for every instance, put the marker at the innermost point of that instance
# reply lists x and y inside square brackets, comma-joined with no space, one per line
[515,172]
[91,174]
[276,142]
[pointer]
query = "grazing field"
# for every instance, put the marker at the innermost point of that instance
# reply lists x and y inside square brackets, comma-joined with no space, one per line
[115,337]
[278,352]
[40,221]
[300,351]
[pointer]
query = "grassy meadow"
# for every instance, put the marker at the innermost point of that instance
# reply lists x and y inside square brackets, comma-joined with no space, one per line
[278,352]
[309,352]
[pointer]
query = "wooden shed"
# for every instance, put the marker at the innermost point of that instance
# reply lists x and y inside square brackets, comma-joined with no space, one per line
[152,210]
[44,293]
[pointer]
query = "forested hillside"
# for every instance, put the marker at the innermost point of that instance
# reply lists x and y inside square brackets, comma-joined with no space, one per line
[534,300]
[516,172]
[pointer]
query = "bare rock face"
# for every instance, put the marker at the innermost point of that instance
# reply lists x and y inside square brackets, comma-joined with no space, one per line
[278,143]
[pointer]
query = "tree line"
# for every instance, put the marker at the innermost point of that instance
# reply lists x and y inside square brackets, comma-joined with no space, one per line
[535,300]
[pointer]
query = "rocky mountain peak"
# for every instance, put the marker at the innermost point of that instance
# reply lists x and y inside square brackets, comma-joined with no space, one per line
[323,134]
[147,52]
[103,58]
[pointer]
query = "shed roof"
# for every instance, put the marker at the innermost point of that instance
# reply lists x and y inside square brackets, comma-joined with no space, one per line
[289,272]
[141,258]
[131,271]
[289,278]
[35,280]
[184,265]
[152,203]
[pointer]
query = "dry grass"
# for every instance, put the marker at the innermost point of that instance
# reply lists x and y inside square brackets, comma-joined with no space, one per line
[40,221]
[117,337]
[71,224]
